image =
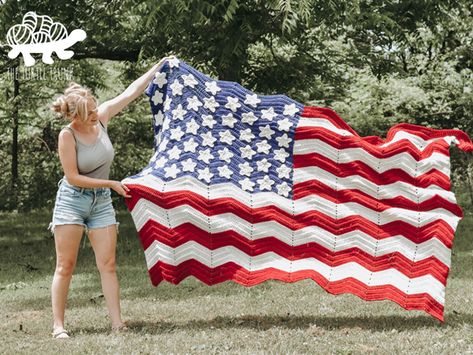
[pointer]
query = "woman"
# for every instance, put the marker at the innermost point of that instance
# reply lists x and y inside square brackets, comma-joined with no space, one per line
[83,198]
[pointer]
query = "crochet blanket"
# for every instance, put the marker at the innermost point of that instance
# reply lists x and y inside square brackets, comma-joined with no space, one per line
[247,188]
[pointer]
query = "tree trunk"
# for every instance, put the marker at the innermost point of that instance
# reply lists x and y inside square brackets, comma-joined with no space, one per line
[14,146]
[469,177]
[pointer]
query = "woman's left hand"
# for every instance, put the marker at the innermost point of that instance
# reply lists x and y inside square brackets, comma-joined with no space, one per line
[161,62]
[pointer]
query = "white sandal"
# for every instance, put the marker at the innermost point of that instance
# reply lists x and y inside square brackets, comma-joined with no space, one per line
[60,334]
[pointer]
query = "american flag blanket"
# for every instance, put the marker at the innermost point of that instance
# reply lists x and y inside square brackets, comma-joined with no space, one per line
[246,187]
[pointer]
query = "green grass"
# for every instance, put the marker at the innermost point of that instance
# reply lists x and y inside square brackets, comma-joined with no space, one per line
[272,317]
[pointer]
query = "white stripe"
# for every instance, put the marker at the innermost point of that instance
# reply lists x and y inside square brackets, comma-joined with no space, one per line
[309,203]
[347,209]
[145,210]
[417,141]
[214,258]
[398,188]
[403,161]
[323,123]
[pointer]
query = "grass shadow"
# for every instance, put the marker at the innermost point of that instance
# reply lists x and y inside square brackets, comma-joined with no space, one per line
[265,322]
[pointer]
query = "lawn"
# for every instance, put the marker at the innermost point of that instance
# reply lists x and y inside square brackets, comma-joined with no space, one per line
[272,317]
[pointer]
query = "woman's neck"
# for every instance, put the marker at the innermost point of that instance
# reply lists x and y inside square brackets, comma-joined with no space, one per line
[83,128]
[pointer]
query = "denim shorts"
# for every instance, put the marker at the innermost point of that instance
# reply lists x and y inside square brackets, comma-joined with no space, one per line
[89,207]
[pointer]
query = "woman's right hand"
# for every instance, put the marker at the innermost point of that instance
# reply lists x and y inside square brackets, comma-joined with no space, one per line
[120,189]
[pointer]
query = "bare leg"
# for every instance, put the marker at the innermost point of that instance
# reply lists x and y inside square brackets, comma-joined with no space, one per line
[67,239]
[104,242]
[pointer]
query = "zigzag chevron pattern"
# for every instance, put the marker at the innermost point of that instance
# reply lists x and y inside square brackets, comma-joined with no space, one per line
[249,188]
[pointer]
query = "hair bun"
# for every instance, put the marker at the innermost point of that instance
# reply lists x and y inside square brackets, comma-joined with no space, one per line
[73,103]
[60,106]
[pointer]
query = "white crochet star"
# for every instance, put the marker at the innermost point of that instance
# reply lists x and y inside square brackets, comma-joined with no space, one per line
[245,168]
[246,135]
[188,165]
[158,118]
[263,165]
[263,147]
[283,141]
[226,137]
[248,117]
[225,154]
[210,103]
[281,155]
[285,124]
[173,62]
[208,121]
[228,120]
[193,103]
[208,139]
[205,174]
[212,87]
[160,162]
[192,127]
[224,171]
[266,132]
[265,183]
[247,152]
[176,133]
[160,79]
[189,80]
[178,113]
[176,87]
[268,114]
[247,184]
[283,172]
[290,110]
[172,171]
[157,98]
[232,103]
[174,153]
[283,189]
[252,100]
[190,145]
[167,104]
[205,156]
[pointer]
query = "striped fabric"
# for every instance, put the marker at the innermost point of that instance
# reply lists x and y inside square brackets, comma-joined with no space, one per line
[248,188]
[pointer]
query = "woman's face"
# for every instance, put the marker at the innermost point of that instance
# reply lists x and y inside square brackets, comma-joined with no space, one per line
[92,117]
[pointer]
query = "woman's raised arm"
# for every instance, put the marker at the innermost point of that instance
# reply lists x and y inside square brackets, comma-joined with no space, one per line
[112,107]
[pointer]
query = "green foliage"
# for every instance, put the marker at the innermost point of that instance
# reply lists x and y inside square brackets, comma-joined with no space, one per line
[376,63]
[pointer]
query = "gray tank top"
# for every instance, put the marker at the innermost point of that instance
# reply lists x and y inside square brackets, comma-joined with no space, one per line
[94,160]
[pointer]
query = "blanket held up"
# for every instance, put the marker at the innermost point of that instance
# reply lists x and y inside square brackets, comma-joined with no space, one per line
[247,188]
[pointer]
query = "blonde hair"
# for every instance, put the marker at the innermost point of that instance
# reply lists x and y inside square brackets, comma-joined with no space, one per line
[74,102]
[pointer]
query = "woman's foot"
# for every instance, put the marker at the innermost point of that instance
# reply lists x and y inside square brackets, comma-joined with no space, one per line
[122,327]
[60,333]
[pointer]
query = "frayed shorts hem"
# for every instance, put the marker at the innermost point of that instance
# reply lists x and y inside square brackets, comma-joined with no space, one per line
[87,228]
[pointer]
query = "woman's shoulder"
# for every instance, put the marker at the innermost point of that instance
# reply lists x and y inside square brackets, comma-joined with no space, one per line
[67,133]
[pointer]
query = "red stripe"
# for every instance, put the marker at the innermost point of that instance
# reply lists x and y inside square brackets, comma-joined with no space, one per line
[233,272]
[344,142]
[175,237]
[359,168]
[424,132]
[168,200]
[315,187]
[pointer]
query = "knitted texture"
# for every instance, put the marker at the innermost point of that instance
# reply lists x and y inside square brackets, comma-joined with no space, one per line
[247,188]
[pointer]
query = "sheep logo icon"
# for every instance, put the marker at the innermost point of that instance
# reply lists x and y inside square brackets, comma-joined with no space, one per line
[40,34]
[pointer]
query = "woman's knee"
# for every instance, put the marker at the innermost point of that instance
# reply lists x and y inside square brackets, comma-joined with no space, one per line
[106,265]
[65,267]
